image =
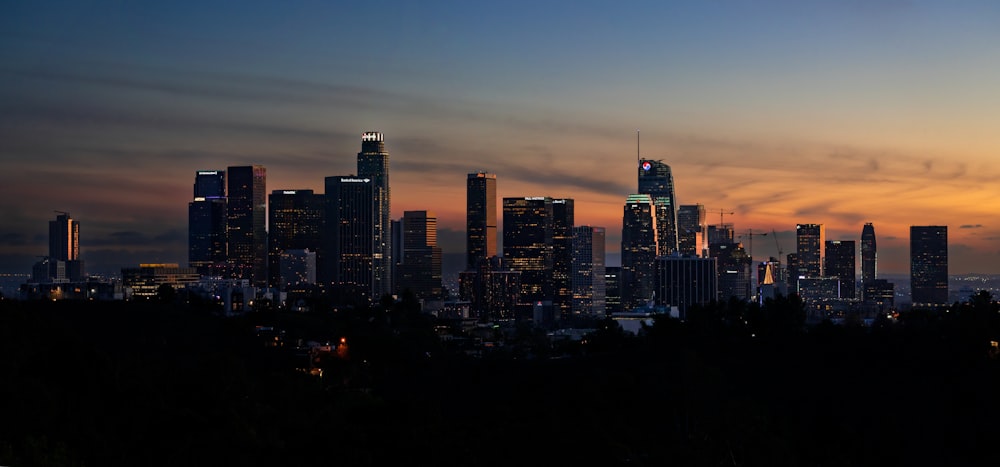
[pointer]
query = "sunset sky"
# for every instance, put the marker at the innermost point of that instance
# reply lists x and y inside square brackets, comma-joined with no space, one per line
[781,112]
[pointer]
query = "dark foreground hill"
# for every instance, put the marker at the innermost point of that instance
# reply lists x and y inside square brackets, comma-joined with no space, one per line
[152,385]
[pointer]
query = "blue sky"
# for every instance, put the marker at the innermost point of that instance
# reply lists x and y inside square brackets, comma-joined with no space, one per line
[783,112]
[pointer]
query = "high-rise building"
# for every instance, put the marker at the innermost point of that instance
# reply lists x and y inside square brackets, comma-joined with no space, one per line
[480,218]
[420,265]
[246,224]
[295,219]
[685,281]
[297,268]
[64,249]
[733,266]
[692,230]
[840,263]
[64,238]
[869,258]
[929,265]
[373,163]
[492,290]
[210,184]
[612,291]
[657,181]
[639,251]
[562,256]
[207,236]
[809,241]
[349,247]
[588,271]
[528,247]
[721,233]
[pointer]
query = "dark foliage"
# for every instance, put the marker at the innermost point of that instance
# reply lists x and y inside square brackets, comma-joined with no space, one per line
[154,384]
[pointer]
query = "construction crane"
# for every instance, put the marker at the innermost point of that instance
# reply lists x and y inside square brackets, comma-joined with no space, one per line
[721,213]
[749,236]
[777,245]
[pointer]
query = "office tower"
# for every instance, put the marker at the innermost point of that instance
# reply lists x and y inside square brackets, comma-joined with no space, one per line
[346,260]
[492,289]
[869,258]
[792,272]
[721,233]
[210,184]
[929,265]
[480,218]
[639,251]
[297,268]
[527,247]
[692,230]
[246,223]
[733,266]
[562,256]
[840,263]
[420,264]
[64,249]
[612,290]
[207,236]
[295,222]
[588,271]
[685,281]
[373,163]
[809,241]
[656,180]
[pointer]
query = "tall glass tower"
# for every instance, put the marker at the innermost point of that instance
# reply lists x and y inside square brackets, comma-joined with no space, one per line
[639,247]
[373,163]
[929,265]
[480,218]
[657,181]
[868,257]
[247,223]
[207,237]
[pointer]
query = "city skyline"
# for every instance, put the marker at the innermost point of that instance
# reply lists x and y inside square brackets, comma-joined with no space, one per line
[779,113]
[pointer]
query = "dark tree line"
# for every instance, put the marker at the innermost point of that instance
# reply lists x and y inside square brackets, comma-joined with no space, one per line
[97,384]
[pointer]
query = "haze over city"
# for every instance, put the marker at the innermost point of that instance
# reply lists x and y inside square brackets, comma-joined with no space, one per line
[776,112]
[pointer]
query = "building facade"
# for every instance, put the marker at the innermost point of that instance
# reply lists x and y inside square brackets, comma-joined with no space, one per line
[840,263]
[869,259]
[929,265]
[809,242]
[685,281]
[373,163]
[295,219]
[480,218]
[589,271]
[528,231]
[639,251]
[420,265]
[657,181]
[246,223]
[692,230]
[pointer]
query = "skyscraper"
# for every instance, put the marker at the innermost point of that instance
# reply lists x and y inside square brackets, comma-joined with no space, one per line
[295,219]
[639,247]
[64,238]
[692,229]
[420,266]
[247,223]
[562,255]
[373,163]
[527,247]
[869,258]
[657,181]
[840,263]
[733,266]
[685,281]
[588,271]
[64,249]
[809,241]
[929,265]
[480,218]
[347,257]
[207,237]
